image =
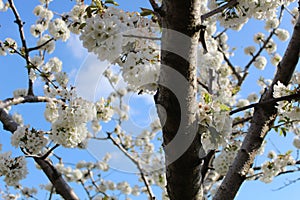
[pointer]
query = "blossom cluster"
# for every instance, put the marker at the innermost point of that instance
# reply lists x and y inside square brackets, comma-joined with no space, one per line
[69,126]
[70,115]
[14,169]
[219,125]
[236,16]
[116,36]
[31,140]
[277,164]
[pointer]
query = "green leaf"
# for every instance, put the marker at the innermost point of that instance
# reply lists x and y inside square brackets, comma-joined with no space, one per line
[282,131]
[289,152]
[224,107]
[111,2]
[146,12]
[207,98]
[235,90]
[82,25]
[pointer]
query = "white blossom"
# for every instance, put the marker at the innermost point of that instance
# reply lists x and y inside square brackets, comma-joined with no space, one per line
[258,38]
[59,30]
[36,61]
[20,93]
[31,140]
[249,50]
[13,169]
[260,62]
[296,142]
[49,47]
[282,34]
[280,90]
[271,24]
[62,78]
[275,59]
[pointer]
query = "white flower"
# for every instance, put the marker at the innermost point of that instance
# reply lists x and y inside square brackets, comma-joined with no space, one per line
[296,142]
[45,1]
[271,23]
[271,47]
[37,29]
[260,62]
[124,187]
[20,93]
[1,5]
[14,169]
[2,49]
[49,47]
[58,28]
[38,9]
[282,34]
[294,114]
[36,61]
[280,90]
[276,59]
[32,75]
[18,118]
[242,103]
[252,97]
[10,43]
[31,140]
[258,38]
[69,127]
[62,78]
[249,50]
[104,110]
[51,112]
[272,155]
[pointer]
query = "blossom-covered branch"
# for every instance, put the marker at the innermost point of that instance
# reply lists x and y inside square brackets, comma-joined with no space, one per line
[54,176]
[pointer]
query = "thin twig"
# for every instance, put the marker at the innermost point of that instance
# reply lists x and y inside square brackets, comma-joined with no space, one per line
[202,84]
[29,63]
[235,123]
[260,50]
[120,147]
[218,10]
[291,97]
[40,46]
[20,24]
[234,71]
[142,37]
[49,151]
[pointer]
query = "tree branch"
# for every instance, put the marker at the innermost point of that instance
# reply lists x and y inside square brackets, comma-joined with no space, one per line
[218,10]
[262,121]
[291,97]
[40,46]
[61,186]
[20,24]
[26,99]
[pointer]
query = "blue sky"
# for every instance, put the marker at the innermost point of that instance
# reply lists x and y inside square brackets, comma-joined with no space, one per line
[85,71]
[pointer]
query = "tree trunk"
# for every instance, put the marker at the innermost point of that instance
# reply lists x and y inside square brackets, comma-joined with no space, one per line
[176,98]
[261,123]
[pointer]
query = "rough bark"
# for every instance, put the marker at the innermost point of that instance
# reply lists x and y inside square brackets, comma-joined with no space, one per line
[176,98]
[60,185]
[261,123]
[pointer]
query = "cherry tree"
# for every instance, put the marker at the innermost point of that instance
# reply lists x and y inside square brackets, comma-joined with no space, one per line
[207,132]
